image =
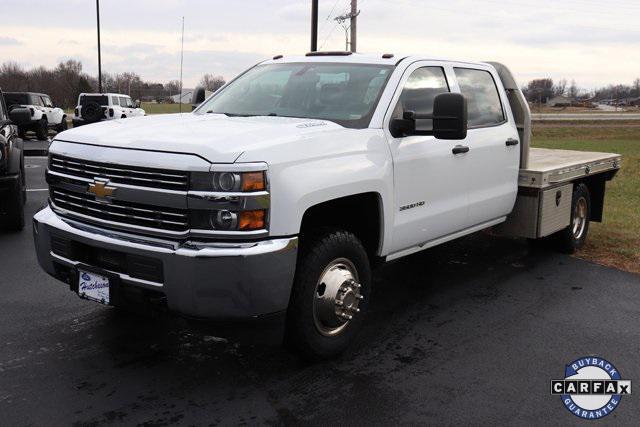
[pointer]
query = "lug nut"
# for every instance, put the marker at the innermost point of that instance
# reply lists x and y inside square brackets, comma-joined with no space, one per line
[339,303]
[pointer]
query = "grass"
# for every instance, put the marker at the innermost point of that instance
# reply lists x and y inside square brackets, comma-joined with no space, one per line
[153,108]
[616,241]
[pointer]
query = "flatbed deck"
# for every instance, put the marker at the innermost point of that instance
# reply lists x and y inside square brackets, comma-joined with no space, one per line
[550,167]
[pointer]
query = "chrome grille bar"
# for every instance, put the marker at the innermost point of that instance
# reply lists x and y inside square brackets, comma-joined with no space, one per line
[123,212]
[156,178]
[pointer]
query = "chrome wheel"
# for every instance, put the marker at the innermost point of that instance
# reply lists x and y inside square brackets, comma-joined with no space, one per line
[579,218]
[336,298]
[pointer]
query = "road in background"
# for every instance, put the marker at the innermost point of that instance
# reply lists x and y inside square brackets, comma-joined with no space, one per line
[468,333]
[585,116]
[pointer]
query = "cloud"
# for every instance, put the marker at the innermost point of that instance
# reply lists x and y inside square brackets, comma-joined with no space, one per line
[9,41]
[536,38]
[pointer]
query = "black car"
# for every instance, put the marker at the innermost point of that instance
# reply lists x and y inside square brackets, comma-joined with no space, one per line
[12,178]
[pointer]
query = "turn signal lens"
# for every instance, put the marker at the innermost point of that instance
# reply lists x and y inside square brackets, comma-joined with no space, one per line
[253,181]
[252,220]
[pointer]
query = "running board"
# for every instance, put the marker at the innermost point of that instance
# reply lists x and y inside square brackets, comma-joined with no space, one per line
[444,239]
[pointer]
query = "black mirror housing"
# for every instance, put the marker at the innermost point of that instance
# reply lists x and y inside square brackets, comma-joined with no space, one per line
[449,119]
[20,116]
[198,97]
[450,116]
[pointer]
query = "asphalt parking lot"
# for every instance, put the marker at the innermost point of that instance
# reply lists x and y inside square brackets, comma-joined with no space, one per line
[468,333]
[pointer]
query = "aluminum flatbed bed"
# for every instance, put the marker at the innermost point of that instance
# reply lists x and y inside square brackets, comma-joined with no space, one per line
[550,167]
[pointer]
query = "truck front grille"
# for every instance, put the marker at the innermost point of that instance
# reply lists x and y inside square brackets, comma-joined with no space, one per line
[131,175]
[117,211]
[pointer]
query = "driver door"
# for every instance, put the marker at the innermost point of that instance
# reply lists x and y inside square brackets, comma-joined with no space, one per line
[430,183]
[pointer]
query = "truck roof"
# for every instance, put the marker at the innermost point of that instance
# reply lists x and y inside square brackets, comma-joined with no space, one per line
[26,93]
[104,94]
[361,58]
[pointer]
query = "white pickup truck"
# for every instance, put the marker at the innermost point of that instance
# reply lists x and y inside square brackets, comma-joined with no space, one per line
[274,198]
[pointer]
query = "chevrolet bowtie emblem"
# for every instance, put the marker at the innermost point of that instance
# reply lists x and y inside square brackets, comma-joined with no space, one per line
[100,188]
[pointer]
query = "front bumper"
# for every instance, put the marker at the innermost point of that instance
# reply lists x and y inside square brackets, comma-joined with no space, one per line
[216,281]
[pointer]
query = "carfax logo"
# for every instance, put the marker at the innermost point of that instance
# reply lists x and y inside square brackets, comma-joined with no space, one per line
[591,388]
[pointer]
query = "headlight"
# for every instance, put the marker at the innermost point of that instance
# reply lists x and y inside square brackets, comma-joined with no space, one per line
[229,201]
[229,182]
[227,220]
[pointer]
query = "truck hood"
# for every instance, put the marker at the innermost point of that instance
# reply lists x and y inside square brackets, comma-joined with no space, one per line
[215,137]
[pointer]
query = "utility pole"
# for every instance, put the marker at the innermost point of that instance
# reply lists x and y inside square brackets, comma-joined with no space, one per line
[348,22]
[314,25]
[99,57]
[181,62]
[354,20]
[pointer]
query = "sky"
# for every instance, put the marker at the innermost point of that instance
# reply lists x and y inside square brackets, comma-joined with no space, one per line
[594,42]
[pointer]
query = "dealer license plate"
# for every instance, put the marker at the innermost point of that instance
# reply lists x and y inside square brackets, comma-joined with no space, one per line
[94,287]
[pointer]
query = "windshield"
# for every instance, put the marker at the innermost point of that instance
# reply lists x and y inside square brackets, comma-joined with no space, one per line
[344,93]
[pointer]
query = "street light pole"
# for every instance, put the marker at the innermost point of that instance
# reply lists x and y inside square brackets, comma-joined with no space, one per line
[99,57]
[314,25]
[354,20]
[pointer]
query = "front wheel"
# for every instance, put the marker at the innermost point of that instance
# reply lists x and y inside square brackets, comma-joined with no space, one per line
[42,130]
[63,125]
[14,213]
[330,294]
[574,236]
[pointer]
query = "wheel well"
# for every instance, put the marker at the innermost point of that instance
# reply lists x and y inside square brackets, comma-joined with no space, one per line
[596,185]
[360,214]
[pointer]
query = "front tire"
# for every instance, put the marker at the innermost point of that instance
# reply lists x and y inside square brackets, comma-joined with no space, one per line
[574,236]
[14,215]
[63,125]
[330,294]
[42,130]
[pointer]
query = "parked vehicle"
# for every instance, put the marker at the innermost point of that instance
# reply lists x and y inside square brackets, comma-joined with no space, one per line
[44,115]
[96,107]
[277,194]
[13,193]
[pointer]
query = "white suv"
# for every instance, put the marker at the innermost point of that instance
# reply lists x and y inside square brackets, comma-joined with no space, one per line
[94,107]
[43,114]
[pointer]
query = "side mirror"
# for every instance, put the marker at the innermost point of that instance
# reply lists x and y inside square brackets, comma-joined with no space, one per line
[20,116]
[449,119]
[137,103]
[198,97]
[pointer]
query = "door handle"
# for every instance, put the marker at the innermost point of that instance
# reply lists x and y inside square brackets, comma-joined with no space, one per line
[509,142]
[459,149]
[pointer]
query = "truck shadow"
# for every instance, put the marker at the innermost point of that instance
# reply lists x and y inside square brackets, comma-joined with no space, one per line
[424,307]
[422,285]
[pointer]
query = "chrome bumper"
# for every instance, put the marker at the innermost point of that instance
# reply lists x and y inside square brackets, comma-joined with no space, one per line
[222,281]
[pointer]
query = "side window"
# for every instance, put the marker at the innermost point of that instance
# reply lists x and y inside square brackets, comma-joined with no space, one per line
[125,102]
[46,101]
[421,88]
[35,100]
[115,101]
[483,101]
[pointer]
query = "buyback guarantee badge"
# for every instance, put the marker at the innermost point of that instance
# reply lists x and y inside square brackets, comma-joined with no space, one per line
[592,388]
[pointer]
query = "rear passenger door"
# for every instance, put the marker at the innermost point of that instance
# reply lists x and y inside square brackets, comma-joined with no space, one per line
[494,153]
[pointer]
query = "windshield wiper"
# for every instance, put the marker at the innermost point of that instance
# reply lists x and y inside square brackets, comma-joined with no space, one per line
[230,114]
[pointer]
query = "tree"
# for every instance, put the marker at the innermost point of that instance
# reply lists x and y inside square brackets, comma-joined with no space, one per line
[211,82]
[574,91]
[172,87]
[539,90]
[560,88]
[636,87]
